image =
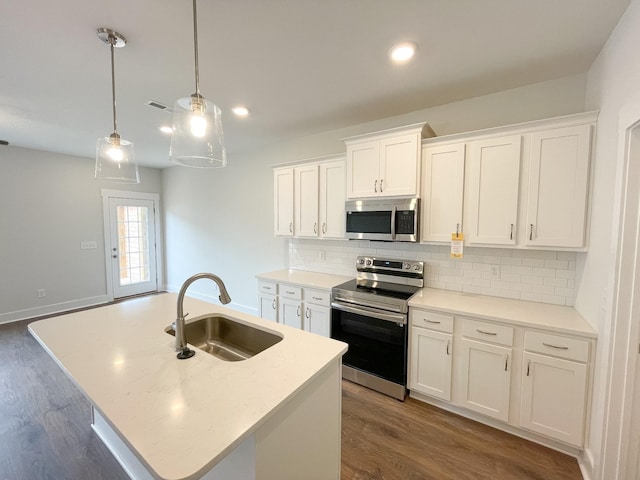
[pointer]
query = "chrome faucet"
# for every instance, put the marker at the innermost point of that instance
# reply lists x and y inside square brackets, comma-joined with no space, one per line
[181,342]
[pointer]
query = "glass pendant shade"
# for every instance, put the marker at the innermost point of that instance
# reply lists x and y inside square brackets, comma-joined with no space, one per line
[115,161]
[197,139]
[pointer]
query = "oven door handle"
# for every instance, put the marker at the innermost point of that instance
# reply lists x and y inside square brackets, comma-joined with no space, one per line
[371,312]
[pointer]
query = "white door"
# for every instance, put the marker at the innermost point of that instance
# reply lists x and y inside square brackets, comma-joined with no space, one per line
[442,184]
[132,246]
[332,197]
[399,165]
[305,205]
[363,168]
[317,319]
[486,378]
[290,312]
[430,362]
[558,178]
[268,307]
[494,174]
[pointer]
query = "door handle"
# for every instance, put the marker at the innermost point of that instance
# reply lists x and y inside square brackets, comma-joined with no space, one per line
[381,181]
[375,186]
[114,256]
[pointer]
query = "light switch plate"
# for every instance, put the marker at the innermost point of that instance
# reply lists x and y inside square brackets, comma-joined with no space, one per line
[88,245]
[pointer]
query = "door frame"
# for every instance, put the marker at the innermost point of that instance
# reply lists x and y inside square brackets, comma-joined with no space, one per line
[623,357]
[155,198]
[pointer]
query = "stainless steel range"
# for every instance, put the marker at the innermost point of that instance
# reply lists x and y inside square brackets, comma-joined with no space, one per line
[370,313]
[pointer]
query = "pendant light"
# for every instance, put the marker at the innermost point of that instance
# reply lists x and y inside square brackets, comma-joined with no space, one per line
[197,139]
[115,160]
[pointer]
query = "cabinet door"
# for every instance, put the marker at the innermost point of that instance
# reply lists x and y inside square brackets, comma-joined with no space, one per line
[268,307]
[442,191]
[332,197]
[306,201]
[317,319]
[363,170]
[554,397]
[290,312]
[399,165]
[485,378]
[430,362]
[494,174]
[558,179]
[283,202]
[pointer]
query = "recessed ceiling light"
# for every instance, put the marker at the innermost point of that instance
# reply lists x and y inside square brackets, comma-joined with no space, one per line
[240,111]
[403,52]
[166,129]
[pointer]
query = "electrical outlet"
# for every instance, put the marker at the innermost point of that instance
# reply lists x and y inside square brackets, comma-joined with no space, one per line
[322,255]
[41,293]
[88,245]
[495,271]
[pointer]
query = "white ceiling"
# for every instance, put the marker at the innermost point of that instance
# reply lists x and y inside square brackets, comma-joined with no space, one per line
[302,66]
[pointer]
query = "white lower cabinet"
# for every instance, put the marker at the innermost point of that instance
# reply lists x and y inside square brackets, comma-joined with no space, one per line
[554,390]
[290,312]
[317,319]
[532,380]
[268,300]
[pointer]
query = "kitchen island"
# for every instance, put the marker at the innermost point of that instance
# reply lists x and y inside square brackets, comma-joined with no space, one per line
[273,416]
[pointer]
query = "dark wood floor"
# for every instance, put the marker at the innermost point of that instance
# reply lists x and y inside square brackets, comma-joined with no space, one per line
[45,432]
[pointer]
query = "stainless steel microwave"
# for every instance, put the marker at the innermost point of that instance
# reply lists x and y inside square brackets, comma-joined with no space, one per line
[390,220]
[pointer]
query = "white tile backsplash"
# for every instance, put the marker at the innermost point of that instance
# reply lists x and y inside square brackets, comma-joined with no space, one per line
[544,276]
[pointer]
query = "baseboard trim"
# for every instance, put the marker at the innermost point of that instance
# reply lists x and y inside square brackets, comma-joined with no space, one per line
[53,308]
[586,464]
[214,299]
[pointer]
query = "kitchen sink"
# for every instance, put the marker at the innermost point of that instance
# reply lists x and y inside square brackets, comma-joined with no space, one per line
[227,339]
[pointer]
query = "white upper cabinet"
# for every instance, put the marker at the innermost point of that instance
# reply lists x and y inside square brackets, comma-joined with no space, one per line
[283,202]
[493,169]
[332,198]
[309,199]
[557,190]
[305,200]
[385,164]
[442,191]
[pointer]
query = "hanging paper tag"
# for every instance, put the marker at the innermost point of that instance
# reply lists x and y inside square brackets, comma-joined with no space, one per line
[457,241]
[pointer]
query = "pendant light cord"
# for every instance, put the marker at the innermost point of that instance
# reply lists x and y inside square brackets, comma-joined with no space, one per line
[195,45]
[112,42]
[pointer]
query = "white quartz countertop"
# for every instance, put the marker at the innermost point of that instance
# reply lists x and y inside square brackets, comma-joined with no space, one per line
[180,417]
[323,281]
[529,314]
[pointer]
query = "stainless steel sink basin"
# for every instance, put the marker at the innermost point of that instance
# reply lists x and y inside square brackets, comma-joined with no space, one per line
[226,338]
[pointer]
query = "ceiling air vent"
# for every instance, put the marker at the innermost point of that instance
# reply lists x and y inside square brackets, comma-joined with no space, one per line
[158,105]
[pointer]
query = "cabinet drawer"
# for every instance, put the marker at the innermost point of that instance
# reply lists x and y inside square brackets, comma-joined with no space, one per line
[432,320]
[557,346]
[290,291]
[268,287]
[488,332]
[317,297]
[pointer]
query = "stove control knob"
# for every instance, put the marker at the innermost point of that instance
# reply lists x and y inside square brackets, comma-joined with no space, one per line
[369,262]
[417,267]
[361,261]
[406,266]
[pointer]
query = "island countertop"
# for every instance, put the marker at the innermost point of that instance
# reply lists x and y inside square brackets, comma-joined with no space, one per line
[180,417]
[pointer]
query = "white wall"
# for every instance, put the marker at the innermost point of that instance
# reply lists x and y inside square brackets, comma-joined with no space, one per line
[613,82]
[222,220]
[49,203]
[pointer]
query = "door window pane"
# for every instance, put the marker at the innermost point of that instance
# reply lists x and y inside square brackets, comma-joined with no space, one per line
[133,242]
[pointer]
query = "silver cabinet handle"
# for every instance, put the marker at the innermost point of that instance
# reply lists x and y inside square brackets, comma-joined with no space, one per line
[528,366]
[486,333]
[433,321]
[506,363]
[273,304]
[381,180]
[291,227]
[317,298]
[448,344]
[531,232]
[307,313]
[554,346]
[315,227]
[324,228]
[457,230]
[511,233]
[298,311]
[375,186]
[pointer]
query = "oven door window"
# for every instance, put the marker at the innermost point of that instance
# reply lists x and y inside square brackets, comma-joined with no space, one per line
[375,346]
[369,222]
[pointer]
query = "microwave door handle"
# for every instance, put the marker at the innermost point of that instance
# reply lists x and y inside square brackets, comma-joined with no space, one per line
[393,223]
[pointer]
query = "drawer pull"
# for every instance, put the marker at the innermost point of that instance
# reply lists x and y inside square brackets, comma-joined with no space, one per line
[317,298]
[266,288]
[486,333]
[554,346]
[433,321]
[289,292]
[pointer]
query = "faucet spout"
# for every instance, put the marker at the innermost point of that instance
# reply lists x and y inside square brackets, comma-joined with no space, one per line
[181,341]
